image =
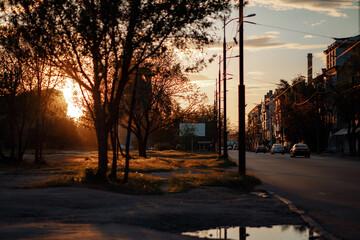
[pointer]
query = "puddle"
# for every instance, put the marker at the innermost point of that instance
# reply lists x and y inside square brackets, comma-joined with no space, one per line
[281,232]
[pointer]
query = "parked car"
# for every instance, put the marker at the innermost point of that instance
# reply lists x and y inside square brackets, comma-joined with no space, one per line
[260,149]
[300,150]
[277,148]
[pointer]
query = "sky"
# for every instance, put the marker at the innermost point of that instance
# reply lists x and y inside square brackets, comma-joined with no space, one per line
[277,46]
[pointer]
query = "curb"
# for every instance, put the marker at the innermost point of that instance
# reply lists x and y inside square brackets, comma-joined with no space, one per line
[309,220]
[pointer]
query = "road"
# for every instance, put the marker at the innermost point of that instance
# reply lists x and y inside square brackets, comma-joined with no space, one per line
[326,187]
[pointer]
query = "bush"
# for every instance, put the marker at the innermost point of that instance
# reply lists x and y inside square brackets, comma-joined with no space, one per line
[91,177]
[162,146]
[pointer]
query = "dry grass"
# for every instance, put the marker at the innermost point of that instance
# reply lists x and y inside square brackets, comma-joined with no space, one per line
[186,182]
[79,169]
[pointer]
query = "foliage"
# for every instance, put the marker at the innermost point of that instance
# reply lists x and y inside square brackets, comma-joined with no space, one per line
[161,87]
[162,146]
[100,44]
[297,105]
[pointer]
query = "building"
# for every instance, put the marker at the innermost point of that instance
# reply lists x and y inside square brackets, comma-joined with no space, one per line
[336,56]
[254,128]
[268,118]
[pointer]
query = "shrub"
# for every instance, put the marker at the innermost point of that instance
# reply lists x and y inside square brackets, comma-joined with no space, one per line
[162,146]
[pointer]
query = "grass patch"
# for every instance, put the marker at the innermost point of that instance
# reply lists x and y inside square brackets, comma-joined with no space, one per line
[186,182]
[138,184]
[62,181]
[80,170]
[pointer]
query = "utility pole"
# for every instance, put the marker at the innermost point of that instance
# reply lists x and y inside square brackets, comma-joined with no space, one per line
[215,119]
[224,74]
[241,152]
[219,133]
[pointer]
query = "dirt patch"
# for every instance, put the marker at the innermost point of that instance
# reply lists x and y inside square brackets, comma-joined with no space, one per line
[67,207]
[79,212]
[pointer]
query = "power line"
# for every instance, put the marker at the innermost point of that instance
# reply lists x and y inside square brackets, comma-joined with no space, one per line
[302,103]
[303,79]
[290,30]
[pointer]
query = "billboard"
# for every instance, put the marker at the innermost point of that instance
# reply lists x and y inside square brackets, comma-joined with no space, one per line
[197,129]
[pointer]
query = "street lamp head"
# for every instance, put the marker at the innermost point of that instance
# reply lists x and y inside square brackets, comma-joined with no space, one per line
[236,42]
[250,15]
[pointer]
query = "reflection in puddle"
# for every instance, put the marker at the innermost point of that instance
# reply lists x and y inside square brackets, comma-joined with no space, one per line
[281,232]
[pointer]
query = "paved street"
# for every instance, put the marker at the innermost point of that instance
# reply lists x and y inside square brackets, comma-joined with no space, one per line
[326,187]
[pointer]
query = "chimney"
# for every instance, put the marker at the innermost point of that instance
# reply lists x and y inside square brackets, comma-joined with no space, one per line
[310,70]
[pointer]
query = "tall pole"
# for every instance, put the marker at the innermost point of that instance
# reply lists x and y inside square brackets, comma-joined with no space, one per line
[242,156]
[215,119]
[219,135]
[224,74]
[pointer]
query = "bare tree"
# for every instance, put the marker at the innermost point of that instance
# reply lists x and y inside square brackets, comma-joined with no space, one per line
[162,89]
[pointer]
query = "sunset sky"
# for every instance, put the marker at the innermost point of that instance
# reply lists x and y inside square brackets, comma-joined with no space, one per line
[277,47]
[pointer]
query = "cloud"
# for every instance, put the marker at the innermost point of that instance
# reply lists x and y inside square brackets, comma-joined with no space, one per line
[269,41]
[204,83]
[198,77]
[308,36]
[320,56]
[318,23]
[273,32]
[202,80]
[266,41]
[332,8]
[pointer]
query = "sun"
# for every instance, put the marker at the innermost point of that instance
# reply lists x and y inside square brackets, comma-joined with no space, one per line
[69,90]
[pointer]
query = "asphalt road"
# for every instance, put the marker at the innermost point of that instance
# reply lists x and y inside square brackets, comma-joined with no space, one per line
[326,187]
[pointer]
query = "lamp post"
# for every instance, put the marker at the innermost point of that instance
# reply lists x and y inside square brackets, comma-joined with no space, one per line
[219,135]
[241,90]
[241,138]
[224,74]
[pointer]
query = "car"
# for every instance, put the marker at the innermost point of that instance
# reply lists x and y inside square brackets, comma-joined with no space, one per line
[277,148]
[300,149]
[260,149]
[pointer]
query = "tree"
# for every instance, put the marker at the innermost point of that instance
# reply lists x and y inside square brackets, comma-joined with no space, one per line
[27,103]
[18,98]
[98,43]
[296,111]
[161,89]
[14,106]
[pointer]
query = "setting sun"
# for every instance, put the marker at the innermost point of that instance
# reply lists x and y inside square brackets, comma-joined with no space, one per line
[73,110]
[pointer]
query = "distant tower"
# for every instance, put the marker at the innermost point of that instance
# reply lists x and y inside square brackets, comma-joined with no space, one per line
[310,67]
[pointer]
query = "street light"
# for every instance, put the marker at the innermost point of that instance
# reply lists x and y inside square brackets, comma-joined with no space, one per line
[240,18]
[241,140]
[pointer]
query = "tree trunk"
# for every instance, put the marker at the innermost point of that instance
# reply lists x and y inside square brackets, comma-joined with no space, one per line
[38,159]
[127,155]
[114,146]
[12,139]
[102,137]
[102,134]
[142,146]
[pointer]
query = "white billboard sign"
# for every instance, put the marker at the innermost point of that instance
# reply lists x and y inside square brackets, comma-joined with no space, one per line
[197,129]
